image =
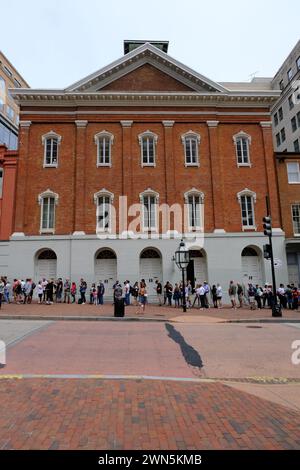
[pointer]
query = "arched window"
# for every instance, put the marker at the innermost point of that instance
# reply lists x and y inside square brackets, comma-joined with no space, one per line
[148,141]
[191,141]
[104,141]
[103,200]
[194,199]
[242,143]
[149,201]
[47,200]
[247,200]
[51,142]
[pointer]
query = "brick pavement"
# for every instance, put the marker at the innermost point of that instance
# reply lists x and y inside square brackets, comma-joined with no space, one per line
[152,311]
[137,414]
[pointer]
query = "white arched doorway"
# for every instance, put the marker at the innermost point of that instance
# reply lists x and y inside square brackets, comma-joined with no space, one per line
[197,267]
[151,268]
[252,266]
[45,265]
[106,269]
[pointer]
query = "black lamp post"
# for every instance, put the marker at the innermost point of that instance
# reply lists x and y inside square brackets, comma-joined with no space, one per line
[182,259]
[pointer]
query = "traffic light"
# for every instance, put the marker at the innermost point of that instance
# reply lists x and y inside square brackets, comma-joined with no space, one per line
[267,251]
[267,226]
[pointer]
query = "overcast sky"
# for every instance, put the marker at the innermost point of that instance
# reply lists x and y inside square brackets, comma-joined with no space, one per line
[55,43]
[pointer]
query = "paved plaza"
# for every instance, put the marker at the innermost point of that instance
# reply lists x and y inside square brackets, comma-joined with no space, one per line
[168,384]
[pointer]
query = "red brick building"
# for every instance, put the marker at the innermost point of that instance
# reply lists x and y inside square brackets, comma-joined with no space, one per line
[149,128]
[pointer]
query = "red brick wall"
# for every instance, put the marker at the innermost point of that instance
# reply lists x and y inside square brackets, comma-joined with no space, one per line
[8,162]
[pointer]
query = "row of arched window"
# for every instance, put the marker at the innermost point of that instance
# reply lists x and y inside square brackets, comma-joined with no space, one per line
[148,141]
[149,210]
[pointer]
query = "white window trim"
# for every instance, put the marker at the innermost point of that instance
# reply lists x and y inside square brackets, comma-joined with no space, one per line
[294,204]
[200,194]
[97,138]
[149,192]
[45,137]
[292,182]
[140,139]
[41,197]
[104,193]
[192,135]
[236,137]
[247,192]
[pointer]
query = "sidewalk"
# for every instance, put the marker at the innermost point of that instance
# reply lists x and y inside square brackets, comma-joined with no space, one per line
[153,312]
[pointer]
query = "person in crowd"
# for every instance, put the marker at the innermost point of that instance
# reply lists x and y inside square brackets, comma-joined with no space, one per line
[232,294]
[67,291]
[92,291]
[270,299]
[281,296]
[49,292]
[73,292]
[127,292]
[169,292]
[135,293]
[95,295]
[158,289]
[197,296]
[165,295]
[265,296]
[188,294]
[202,296]
[214,296]
[100,293]
[289,296]
[219,295]
[44,284]
[7,288]
[240,294]
[59,290]
[295,298]
[143,295]
[2,285]
[27,291]
[82,290]
[251,294]
[258,296]
[40,292]
[177,295]
[207,291]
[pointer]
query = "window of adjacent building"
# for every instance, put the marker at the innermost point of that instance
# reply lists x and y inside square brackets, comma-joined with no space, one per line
[148,142]
[281,85]
[296,218]
[298,118]
[6,69]
[103,213]
[194,204]
[8,138]
[1,181]
[149,203]
[242,151]
[296,146]
[291,102]
[294,124]
[247,208]
[2,86]
[51,142]
[280,114]
[278,140]
[104,141]
[1,104]
[17,83]
[48,214]
[282,134]
[293,172]
[276,119]
[298,63]
[290,75]
[191,143]
[10,112]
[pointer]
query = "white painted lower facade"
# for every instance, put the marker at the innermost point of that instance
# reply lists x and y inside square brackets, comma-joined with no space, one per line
[76,257]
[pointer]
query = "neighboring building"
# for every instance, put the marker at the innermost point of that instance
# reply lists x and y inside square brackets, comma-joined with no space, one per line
[9,111]
[286,112]
[150,128]
[288,171]
[8,166]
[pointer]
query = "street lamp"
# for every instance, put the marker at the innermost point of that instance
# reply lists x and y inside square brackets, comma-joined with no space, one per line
[182,259]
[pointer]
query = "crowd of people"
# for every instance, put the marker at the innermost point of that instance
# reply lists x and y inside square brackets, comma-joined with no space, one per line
[201,295]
